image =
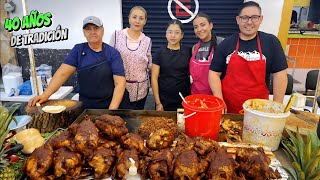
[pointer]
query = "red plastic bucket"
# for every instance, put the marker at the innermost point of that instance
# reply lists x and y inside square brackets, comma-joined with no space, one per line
[206,121]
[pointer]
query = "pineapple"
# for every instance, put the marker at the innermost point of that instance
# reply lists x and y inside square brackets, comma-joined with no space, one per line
[5,118]
[305,155]
[7,174]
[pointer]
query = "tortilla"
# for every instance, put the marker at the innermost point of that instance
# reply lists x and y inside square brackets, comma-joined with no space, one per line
[53,109]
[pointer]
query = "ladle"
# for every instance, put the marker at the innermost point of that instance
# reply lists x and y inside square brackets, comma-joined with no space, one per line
[289,104]
[182,98]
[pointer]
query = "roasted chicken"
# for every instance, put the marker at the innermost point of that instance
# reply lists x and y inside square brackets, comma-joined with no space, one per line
[182,143]
[161,165]
[232,130]
[188,166]
[86,137]
[160,139]
[102,160]
[62,140]
[113,126]
[204,146]
[108,144]
[133,141]
[222,165]
[123,164]
[67,163]
[39,162]
[254,164]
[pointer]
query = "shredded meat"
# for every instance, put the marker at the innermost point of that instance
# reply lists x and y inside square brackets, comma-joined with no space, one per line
[152,124]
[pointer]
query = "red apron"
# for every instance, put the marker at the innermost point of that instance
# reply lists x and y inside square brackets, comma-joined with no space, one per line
[199,72]
[244,80]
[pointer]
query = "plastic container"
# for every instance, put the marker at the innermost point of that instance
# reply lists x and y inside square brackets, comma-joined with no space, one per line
[22,121]
[133,172]
[300,101]
[206,120]
[261,125]
[12,80]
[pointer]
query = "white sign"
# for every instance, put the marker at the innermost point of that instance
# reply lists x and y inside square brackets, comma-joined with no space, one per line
[192,14]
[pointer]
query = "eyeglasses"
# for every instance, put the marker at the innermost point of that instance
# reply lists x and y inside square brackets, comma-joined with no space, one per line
[173,32]
[254,18]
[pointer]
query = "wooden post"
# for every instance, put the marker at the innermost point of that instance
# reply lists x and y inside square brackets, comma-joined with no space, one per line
[31,57]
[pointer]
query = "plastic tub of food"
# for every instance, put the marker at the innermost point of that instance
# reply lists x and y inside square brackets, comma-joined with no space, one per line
[263,122]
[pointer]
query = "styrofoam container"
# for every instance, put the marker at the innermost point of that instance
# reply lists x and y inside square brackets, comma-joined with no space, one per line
[264,126]
[11,80]
[300,101]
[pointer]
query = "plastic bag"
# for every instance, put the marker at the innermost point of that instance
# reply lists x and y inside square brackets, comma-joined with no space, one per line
[44,71]
[10,68]
[25,88]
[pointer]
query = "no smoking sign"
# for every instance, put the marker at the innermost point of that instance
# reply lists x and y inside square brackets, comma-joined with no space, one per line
[186,8]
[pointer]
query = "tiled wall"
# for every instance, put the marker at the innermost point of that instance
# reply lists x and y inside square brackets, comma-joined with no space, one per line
[306,51]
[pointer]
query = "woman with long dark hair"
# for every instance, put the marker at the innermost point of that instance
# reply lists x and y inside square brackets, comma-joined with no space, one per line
[202,53]
[170,70]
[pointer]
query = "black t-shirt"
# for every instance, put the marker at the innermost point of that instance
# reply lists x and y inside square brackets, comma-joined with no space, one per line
[203,51]
[271,49]
[174,75]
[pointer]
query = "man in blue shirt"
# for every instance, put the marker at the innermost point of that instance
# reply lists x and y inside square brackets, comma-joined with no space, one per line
[100,71]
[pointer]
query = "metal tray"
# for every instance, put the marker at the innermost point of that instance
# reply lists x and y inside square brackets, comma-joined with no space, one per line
[133,118]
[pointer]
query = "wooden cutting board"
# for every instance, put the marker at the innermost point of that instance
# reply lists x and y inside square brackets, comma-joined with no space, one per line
[293,121]
[47,122]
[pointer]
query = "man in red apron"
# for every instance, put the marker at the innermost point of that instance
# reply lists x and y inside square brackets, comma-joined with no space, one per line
[246,60]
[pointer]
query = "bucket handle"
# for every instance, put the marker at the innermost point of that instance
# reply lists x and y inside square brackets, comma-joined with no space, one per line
[189,115]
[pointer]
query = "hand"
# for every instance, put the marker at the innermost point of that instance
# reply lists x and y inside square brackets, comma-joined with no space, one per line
[40,99]
[159,107]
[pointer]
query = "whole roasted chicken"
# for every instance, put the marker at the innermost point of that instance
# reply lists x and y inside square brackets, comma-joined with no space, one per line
[254,164]
[102,160]
[160,139]
[222,165]
[188,166]
[133,141]
[161,164]
[67,163]
[123,164]
[63,140]
[39,162]
[204,146]
[113,126]
[86,137]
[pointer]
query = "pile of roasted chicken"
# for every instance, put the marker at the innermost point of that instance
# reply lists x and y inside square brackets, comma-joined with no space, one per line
[102,148]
